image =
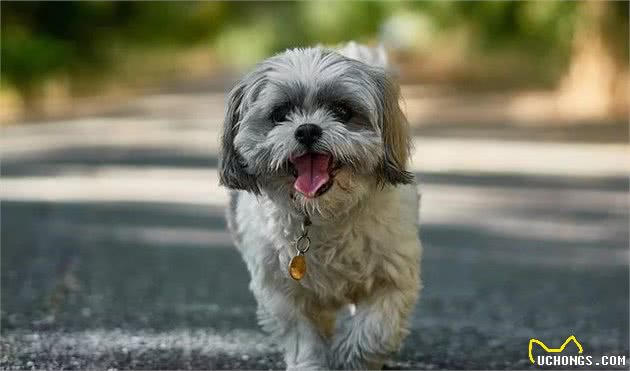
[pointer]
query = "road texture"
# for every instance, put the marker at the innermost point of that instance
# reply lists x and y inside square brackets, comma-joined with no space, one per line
[115,253]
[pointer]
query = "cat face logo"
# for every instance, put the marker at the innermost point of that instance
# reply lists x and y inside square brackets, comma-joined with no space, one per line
[553,350]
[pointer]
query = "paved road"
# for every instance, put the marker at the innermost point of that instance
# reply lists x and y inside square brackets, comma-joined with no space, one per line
[115,254]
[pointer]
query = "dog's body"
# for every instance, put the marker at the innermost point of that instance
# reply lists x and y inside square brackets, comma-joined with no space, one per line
[362,204]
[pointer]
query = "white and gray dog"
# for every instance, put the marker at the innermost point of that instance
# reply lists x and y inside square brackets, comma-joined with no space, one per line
[325,212]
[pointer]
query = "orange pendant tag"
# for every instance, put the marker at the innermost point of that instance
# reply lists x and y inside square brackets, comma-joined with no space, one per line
[297,267]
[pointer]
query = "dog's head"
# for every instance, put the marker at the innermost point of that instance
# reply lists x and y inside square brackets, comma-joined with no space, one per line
[314,129]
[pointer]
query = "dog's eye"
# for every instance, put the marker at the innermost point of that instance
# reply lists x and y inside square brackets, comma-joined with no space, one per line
[342,112]
[280,113]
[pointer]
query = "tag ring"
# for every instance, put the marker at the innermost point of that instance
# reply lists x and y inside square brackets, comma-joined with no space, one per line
[303,244]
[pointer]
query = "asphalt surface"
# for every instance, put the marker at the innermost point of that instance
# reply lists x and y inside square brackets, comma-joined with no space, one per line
[115,252]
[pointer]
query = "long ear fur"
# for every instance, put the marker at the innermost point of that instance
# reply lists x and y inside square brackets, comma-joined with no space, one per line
[396,137]
[232,173]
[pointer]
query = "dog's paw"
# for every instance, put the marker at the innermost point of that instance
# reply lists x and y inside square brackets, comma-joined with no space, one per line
[348,357]
[347,354]
[309,365]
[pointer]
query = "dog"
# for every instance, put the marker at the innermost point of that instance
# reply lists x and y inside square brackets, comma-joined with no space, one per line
[323,210]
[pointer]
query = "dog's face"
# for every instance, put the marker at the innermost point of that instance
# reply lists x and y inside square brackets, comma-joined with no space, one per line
[314,130]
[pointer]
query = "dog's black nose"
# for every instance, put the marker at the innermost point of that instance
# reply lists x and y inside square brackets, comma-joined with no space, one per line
[308,134]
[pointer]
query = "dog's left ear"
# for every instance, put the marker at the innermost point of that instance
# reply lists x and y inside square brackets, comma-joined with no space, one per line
[395,133]
[232,172]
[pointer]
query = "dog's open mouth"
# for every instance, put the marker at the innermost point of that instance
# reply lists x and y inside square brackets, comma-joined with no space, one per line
[313,173]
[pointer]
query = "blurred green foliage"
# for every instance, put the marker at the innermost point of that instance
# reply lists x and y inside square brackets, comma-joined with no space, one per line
[74,39]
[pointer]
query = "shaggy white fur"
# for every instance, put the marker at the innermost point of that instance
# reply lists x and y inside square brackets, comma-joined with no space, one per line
[365,249]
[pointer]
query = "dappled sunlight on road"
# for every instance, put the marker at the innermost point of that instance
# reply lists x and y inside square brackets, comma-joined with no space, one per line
[114,231]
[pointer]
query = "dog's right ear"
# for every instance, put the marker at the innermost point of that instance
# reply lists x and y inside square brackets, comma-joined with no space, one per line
[232,172]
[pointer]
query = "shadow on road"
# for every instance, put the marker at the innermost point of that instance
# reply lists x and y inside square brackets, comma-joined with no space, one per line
[158,284]
[91,157]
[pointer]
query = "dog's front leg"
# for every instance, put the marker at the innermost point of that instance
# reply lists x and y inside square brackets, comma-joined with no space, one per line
[285,318]
[376,330]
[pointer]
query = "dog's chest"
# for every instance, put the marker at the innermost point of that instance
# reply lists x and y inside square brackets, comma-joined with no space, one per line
[344,265]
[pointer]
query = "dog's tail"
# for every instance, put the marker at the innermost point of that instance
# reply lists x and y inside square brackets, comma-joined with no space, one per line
[374,56]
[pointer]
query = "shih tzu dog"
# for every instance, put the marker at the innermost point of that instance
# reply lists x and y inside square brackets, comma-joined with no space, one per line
[324,210]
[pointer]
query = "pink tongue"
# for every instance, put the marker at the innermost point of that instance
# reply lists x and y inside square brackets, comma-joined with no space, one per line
[312,172]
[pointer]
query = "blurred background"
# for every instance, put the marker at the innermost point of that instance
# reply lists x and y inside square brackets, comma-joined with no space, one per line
[115,252]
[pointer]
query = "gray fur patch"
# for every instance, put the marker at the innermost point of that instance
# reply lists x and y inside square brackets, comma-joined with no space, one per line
[231,217]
